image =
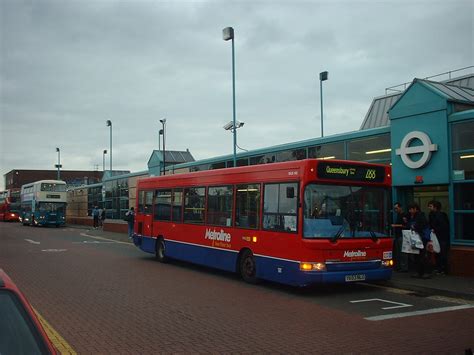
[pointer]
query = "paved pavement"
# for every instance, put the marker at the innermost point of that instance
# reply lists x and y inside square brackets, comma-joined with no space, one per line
[441,285]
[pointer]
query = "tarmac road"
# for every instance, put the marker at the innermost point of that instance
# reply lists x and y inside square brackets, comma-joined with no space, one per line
[106,296]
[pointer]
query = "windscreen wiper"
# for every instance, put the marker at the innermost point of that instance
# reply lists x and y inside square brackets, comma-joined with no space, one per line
[338,234]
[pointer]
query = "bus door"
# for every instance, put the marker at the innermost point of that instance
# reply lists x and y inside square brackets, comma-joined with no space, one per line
[147,222]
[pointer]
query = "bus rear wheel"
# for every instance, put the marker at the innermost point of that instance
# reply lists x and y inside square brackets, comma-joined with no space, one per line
[160,251]
[248,267]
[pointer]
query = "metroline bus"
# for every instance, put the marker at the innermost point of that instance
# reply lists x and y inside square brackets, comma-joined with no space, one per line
[9,206]
[298,223]
[43,203]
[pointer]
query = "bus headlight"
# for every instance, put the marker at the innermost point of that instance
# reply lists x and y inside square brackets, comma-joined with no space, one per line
[387,263]
[312,266]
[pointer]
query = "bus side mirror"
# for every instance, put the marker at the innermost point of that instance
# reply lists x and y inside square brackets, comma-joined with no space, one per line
[290,192]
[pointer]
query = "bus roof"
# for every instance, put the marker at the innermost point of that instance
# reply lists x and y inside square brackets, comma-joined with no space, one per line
[259,172]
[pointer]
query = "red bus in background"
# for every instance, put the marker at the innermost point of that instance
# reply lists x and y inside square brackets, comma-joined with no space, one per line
[297,223]
[9,206]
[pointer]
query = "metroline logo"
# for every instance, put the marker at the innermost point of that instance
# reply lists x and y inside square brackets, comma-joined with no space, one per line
[352,253]
[216,235]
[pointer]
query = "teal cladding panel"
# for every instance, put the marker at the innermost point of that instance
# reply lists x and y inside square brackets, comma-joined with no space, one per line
[436,171]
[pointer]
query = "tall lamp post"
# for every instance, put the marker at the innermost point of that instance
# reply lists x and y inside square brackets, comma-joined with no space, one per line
[103,159]
[163,123]
[228,34]
[58,165]
[109,124]
[323,76]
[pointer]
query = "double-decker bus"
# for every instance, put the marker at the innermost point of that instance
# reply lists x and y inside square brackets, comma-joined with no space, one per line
[9,206]
[297,223]
[43,203]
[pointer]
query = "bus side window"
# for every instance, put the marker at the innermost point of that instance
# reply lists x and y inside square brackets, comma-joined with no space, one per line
[177,203]
[194,202]
[163,205]
[219,206]
[148,208]
[280,207]
[247,206]
[141,200]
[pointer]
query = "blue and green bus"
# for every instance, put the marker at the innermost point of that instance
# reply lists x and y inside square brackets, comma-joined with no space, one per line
[43,203]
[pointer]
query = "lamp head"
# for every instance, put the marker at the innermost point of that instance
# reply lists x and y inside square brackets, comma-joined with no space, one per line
[57,149]
[323,76]
[109,123]
[227,33]
[105,151]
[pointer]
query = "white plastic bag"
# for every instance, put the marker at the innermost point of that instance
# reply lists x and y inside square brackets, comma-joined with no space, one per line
[434,240]
[407,246]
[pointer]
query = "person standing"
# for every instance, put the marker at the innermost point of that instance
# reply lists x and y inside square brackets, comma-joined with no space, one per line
[439,224]
[102,217]
[401,259]
[130,218]
[418,223]
[95,217]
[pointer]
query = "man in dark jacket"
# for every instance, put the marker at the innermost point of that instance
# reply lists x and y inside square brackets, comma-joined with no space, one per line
[401,259]
[439,224]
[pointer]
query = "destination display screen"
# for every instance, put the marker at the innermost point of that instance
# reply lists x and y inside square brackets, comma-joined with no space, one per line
[342,171]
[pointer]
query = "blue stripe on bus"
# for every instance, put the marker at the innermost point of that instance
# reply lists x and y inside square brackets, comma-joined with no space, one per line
[268,268]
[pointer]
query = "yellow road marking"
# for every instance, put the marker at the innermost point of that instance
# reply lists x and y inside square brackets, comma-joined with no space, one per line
[58,341]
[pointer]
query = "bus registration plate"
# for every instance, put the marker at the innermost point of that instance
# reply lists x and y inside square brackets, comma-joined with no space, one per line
[358,277]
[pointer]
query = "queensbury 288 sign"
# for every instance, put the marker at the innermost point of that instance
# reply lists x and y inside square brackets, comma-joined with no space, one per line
[352,172]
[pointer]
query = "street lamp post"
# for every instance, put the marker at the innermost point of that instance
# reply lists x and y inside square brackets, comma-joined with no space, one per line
[103,159]
[228,34]
[58,165]
[163,123]
[109,124]
[322,77]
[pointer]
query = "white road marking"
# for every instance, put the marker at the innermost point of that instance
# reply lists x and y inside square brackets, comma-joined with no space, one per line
[101,238]
[32,241]
[400,305]
[418,313]
[93,242]
[54,250]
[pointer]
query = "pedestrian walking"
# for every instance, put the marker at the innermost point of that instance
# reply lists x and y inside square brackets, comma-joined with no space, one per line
[418,223]
[95,217]
[401,259]
[439,224]
[130,218]
[102,217]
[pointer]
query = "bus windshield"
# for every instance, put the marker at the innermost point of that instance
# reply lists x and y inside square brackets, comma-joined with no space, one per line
[53,187]
[334,211]
[52,207]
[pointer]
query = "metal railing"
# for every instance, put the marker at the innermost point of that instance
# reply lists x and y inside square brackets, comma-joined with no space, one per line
[405,85]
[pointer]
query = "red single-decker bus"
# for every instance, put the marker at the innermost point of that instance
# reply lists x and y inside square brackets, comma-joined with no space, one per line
[297,223]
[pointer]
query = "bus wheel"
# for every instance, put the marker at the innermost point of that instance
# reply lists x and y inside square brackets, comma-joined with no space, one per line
[248,267]
[160,251]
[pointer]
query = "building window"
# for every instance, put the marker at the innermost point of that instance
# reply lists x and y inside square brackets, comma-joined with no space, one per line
[219,206]
[289,155]
[194,205]
[371,149]
[463,150]
[247,206]
[327,151]
[263,159]
[280,206]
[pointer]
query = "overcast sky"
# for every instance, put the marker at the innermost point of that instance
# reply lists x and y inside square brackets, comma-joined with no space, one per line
[68,66]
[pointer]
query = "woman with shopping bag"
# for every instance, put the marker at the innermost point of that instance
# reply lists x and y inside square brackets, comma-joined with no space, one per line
[419,225]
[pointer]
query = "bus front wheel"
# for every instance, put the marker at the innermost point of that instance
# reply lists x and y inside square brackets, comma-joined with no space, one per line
[248,267]
[160,251]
